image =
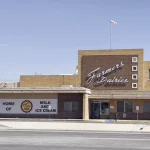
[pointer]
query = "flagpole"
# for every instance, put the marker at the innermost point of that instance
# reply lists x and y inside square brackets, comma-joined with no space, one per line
[110,34]
[111,22]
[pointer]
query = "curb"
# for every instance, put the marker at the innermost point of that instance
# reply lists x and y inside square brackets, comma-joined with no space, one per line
[77,120]
[75,131]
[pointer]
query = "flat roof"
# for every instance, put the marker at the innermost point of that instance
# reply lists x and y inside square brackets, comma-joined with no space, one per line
[46,90]
[127,49]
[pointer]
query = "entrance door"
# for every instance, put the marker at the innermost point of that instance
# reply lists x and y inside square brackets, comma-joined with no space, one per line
[104,108]
[95,110]
[100,109]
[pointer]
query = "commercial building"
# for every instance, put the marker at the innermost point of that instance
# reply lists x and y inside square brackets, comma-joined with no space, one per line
[108,84]
[60,102]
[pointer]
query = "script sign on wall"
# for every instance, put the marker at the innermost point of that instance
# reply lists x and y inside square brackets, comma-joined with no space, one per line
[107,71]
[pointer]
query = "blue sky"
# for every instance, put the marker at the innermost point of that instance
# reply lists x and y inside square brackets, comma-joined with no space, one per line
[44,36]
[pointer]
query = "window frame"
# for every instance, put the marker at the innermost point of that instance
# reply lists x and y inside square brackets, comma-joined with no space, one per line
[133,85]
[71,107]
[133,68]
[134,60]
[133,76]
[124,106]
[67,106]
[144,107]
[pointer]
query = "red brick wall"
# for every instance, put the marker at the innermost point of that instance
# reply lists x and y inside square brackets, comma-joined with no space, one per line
[92,62]
[70,97]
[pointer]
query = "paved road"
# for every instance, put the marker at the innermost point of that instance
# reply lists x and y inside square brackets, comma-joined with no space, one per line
[42,140]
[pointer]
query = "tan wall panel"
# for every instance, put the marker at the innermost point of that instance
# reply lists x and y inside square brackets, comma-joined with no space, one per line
[146,75]
[141,102]
[48,81]
[71,80]
[137,103]
[41,81]
[113,103]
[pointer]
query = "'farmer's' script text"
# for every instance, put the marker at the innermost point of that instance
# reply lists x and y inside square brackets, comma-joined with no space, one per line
[100,77]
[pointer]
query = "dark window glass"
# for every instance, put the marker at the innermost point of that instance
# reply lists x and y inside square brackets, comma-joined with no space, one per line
[67,106]
[146,107]
[71,106]
[75,106]
[120,106]
[128,106]
[124,106]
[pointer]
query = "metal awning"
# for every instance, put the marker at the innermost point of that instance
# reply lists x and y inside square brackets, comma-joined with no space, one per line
[46,90]
[120,96]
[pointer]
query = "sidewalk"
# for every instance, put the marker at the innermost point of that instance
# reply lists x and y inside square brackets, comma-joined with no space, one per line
[24,125]
[77,120]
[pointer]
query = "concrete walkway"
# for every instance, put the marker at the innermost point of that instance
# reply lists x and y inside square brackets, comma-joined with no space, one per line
[24,125]
[77,120]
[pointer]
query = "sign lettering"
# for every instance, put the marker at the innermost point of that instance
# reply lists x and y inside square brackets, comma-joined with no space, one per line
[8,103]
[101,77]
[29,106]
[8,108]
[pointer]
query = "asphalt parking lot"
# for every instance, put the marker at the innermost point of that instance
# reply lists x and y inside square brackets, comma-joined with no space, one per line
[60,140]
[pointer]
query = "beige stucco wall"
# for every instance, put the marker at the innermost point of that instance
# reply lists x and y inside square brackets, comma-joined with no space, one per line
[146,79]
[138,52]
[113,103]
[48,81]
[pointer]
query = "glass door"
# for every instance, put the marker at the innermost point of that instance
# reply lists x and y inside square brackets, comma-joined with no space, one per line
[95,110]
[100,109]
[104,109]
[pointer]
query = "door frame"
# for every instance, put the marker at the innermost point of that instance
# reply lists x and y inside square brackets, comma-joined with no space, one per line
[99,102]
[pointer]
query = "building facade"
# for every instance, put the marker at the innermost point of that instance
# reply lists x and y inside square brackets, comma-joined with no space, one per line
[119,81]
[58,103]
[110,84]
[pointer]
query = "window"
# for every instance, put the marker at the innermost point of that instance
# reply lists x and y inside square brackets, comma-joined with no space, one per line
[104,108]
[70,106]
[146,107]
[134,68]
[149,74]
[134,85]
[67,106]
[120,106]
[134,76]
[124,106]
[134,59]
[75,106]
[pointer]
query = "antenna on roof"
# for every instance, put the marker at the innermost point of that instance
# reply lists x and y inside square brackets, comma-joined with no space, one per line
[5,84]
